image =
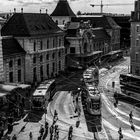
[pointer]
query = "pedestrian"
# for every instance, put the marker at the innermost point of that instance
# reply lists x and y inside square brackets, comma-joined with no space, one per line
[1,132]
[131,115]
[55,120]
[41,130]
[51,129]
[30,135]
[10,127]
[70,132]
[46,125]
[133,127]
[55,113]
[56,128]
[14,137]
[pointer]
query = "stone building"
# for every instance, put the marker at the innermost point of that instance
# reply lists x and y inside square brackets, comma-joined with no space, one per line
[13,61]
[135,39]
[1,59]
[105,22]
[62,13]
[43,42]
[85,44]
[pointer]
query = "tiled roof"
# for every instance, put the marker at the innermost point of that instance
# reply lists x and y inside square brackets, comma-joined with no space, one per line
[29,24]
[101,21]
[63,9]
[10,46]
[100,33]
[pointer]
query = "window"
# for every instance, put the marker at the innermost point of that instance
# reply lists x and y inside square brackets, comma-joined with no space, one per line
[56,22]
[47,57]
[59,54]
[47,69]
[10,64]
[72,50]
[19,62]
[53,43]
[59,42]
[34,74]
[19,75]
[34,59]
[137,71]
[41,45]
[41,58]
[59,65]
[137,28]
[136,56]
[34,46]
[53,67]
[53,55]
[137,42]
[41,73]
[48,44]
[11,77]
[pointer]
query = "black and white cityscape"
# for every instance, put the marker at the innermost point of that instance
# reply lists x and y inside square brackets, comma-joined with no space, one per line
[67,74]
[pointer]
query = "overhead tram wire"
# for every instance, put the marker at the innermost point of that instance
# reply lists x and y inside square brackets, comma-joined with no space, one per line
[61,80]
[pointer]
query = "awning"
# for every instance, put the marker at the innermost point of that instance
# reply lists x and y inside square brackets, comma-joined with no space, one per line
[87,54]
[114,52]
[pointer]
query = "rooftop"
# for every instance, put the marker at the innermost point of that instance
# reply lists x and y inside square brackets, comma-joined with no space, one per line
[10,46]
[98,21]
[63,9]
[30,24]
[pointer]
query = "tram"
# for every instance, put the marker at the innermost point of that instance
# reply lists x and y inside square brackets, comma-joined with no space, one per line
[43,94]
[91,76]
[94,101]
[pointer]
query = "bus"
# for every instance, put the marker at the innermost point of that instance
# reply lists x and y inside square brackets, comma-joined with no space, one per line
[43,94]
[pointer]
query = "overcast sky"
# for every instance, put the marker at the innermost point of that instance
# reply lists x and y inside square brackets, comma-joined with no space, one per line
[76,5]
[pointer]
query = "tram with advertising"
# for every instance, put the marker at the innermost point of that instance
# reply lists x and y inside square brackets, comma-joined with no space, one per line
[93,96]
[43,94]
[94,101]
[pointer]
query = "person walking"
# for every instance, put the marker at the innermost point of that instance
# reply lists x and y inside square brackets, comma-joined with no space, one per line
[31,136]
[14,137]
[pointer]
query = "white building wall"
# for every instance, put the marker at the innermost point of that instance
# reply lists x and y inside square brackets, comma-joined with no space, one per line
[61,19]
[56,44]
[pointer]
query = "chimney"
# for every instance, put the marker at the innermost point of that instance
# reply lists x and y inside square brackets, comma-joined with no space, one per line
[21,10]
[14,10]
[46,11]
[40,11]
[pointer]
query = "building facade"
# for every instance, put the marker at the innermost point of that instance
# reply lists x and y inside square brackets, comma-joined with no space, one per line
[86,44]
[1,59]
[107,23]
[43,42]
[13,61]
[62,13]
[135,39]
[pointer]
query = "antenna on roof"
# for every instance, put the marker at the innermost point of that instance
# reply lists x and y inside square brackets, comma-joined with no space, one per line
[21,10]
[14,10]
